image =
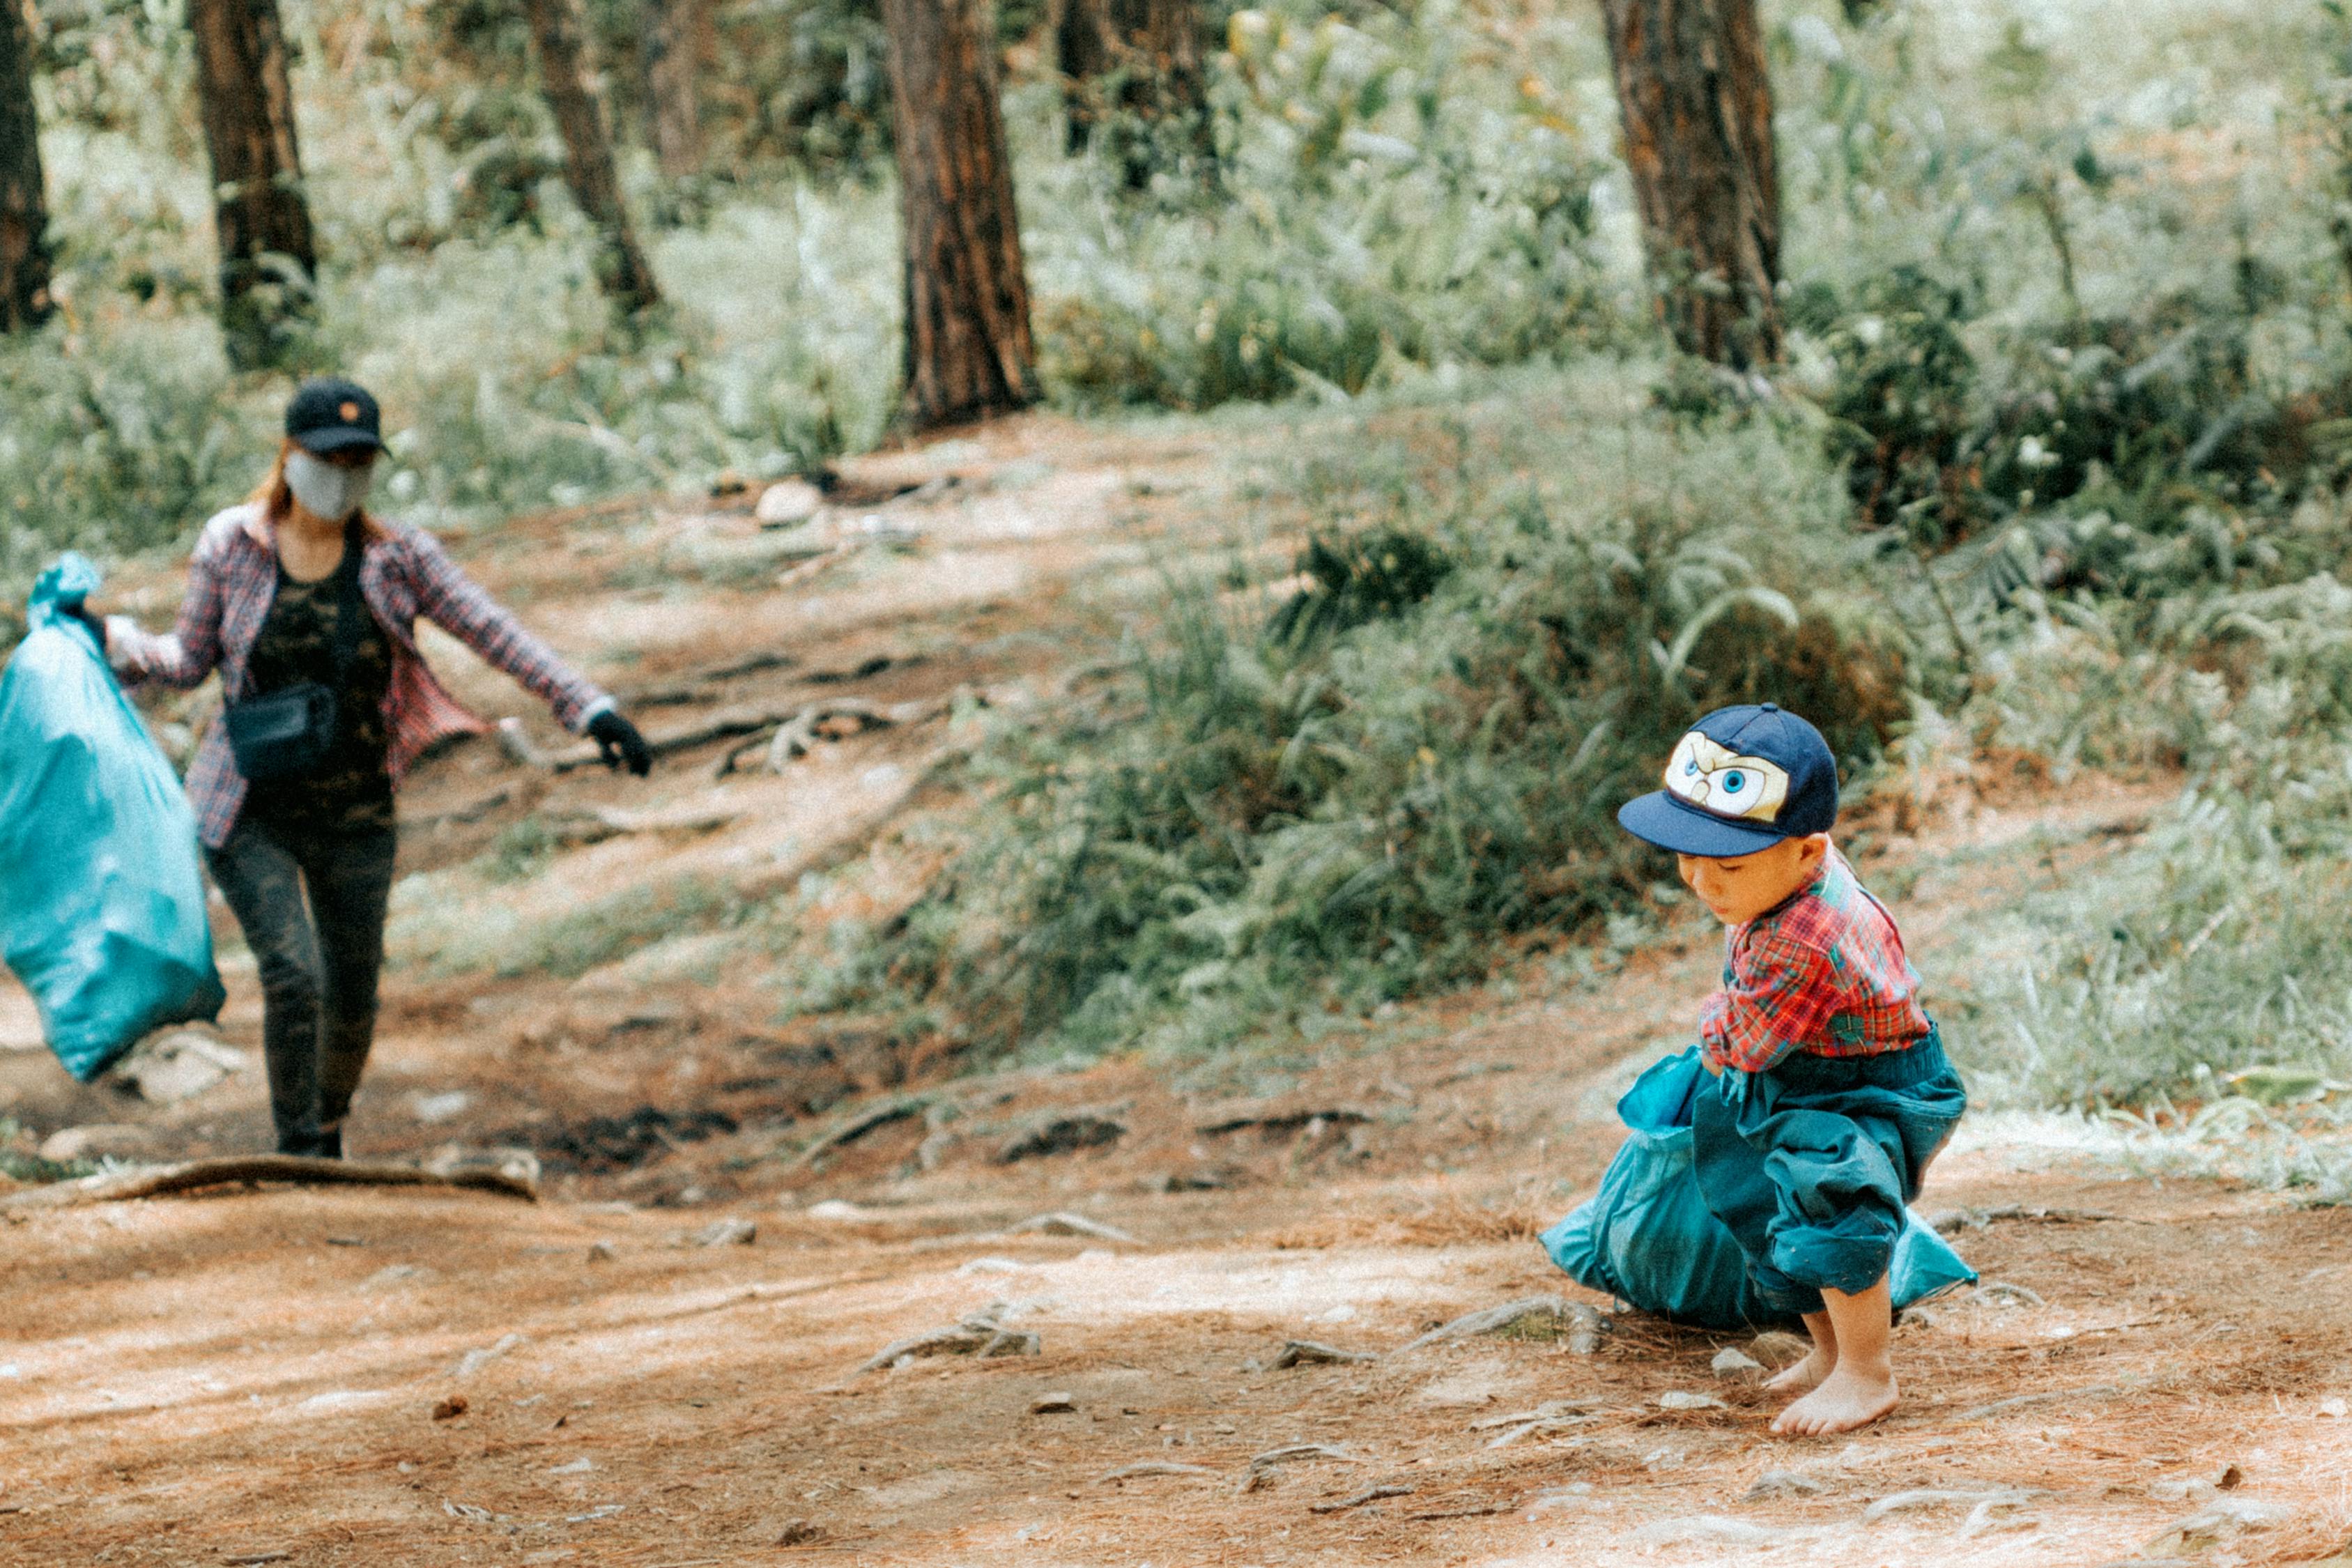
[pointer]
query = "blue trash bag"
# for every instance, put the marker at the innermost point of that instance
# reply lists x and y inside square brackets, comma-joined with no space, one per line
[101,892]
[1647,1238]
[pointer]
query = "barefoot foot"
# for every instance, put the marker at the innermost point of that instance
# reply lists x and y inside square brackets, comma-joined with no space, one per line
[1846,1399]
[1804,1376]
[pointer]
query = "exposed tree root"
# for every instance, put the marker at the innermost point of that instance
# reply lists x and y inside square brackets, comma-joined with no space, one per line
[163,1181]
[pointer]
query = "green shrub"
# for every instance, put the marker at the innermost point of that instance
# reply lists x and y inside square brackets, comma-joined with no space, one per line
[1283,821]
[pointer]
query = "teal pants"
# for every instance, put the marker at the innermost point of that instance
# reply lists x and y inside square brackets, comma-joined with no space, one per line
[1810,1164]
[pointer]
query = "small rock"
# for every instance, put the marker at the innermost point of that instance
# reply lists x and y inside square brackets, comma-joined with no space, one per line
[801,1533]
[1730,1362]
[579,1467]
[434,1108]
[451,1408]
[99,1141]
[787,502]
[511,1160]
[1682,1399]
[2333,1407]
[1052,1405]
[1310,1353]
[602,1252]
[2001,1293]
[177,1065]
[1782,1483]
[1777,1349]
[726,1233]
[837,1212]
[1066,1224]
[2226,1518]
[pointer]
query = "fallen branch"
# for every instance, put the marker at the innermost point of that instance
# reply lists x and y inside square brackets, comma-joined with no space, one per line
[1281,1121]
[1360,1500]
[1949,1221]
[2028,1400]
[859,1124]
[1474,1510]
[722,725]
[1586,1325]
[1152,1468]
[1310,1353]
[163,1181]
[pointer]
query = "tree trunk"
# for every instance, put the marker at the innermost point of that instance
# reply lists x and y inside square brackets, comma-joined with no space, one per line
[968,346]
[23,215]
[1697,109]
[1142,57]
[568,81]
[1082,52]
[268,256]
[1159,43]
[676,43]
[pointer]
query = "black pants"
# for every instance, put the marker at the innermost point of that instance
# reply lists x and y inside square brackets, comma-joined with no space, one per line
[313,908]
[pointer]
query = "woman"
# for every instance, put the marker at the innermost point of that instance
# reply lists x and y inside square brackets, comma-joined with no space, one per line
[308,607]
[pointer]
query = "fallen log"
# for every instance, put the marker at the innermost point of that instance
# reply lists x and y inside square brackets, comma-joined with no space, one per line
[193,1175]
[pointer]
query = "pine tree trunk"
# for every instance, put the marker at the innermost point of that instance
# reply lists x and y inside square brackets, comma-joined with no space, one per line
[1082,53]
[1159,42]
[969,351]
[268,256]
[1142,57]
[568,81]
[1697,107]
[676,42]
[24,214]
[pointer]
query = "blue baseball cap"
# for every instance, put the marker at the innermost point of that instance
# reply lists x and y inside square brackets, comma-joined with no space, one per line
[1742,779]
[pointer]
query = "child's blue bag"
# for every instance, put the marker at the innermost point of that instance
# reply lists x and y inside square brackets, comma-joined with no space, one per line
[101,894]
[1647,1238]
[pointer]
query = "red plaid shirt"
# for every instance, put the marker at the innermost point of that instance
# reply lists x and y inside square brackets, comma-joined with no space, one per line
[404,574]
[1823,974]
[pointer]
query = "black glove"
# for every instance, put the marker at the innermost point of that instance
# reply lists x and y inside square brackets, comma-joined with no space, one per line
[619,740]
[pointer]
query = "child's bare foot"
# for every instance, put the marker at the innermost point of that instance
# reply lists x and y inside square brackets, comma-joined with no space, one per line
[1849,1397]
[1804,1376]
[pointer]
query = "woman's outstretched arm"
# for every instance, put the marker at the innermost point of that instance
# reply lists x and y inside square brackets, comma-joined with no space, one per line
[463,608]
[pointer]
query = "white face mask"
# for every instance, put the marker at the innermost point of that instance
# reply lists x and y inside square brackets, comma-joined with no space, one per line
[326,491]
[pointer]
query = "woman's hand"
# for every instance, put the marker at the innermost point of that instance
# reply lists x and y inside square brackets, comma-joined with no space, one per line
[619,740]
[1713,1068]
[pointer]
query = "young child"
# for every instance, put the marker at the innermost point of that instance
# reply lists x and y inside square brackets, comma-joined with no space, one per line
[1830,1090]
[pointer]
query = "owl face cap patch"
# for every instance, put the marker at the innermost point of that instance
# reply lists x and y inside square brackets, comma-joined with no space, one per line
[1742,779]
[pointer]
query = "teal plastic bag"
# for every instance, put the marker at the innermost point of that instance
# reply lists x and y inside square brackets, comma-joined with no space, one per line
[101,890]
[1647,1238]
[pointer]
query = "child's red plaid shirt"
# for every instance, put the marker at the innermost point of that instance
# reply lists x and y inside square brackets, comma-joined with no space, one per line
[1823,974]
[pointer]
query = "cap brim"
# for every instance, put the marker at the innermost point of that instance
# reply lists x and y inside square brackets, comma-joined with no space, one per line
[336,438]
[1662,819]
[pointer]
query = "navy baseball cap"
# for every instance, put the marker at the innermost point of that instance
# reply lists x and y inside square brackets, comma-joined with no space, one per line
[329,414]
[1742,779]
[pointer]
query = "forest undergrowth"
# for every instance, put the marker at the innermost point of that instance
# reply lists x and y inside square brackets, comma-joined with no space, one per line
[2053,473]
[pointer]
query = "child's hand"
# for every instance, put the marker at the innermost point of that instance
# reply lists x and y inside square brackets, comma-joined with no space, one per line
[1713,1068]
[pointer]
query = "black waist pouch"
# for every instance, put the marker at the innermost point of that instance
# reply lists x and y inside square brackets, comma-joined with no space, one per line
[288,734]
[284,735]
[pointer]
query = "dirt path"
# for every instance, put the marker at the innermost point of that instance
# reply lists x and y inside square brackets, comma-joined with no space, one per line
[249,1374]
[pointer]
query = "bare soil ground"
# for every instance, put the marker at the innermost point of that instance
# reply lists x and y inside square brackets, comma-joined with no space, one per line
[272,1375]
